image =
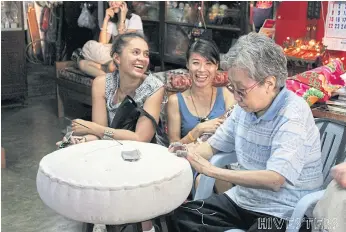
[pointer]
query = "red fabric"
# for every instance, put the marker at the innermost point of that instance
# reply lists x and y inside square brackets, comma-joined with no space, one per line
[326,79]
[179,81]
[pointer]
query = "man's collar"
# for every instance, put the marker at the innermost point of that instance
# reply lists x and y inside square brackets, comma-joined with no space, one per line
[274,108]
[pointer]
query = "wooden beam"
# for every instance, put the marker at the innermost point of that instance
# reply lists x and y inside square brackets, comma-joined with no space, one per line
[3,158]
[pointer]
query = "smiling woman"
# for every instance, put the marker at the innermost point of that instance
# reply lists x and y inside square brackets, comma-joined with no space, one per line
[130,54]
[118,20]
[198,110]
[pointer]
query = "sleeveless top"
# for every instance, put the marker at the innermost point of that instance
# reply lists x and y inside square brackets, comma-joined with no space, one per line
[149,86]
[189,121]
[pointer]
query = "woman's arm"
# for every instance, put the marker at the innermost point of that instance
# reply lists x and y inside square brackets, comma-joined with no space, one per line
[229,98]
[173,119]
[99,111]
[144,128]
[105,36]
[174,123]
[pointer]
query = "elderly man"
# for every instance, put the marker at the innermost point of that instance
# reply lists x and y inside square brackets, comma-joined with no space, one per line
[277,144]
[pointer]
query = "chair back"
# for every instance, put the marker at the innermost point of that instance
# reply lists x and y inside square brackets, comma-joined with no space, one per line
[333,145]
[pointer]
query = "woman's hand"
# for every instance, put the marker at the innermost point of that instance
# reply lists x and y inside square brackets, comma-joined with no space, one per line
[73,140]
[83,127]
[210,126]
[109,13]
[123,11]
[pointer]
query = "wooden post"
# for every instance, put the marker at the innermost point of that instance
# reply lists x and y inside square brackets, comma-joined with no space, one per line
[3,158]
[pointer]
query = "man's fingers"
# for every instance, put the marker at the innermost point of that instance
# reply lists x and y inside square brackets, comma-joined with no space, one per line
[181,153]
[176,146]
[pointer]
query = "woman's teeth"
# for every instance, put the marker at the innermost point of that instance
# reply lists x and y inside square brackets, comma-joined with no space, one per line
[201,78]
[139,66]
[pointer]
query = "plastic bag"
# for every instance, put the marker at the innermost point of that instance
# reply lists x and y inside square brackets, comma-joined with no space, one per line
[86,19]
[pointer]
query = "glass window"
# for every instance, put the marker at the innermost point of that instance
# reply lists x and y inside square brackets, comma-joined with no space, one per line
[11,17]
[184,12]
[151,32]
[148,10]
[223,13]
[224,39]
[177,40]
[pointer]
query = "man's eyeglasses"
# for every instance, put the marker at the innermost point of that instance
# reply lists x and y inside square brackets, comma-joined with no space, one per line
[242,94]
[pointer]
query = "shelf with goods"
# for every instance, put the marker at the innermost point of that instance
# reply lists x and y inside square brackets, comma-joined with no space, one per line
[150,11]
[13,65]
[223,22]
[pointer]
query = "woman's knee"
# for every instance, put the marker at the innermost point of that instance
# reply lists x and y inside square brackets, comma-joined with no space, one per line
[85,64]
[81,64]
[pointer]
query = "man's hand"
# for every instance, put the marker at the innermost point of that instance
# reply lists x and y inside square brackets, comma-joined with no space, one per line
[178,148]
[200,164]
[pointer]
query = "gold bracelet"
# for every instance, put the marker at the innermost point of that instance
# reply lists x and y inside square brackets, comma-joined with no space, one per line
[191,137]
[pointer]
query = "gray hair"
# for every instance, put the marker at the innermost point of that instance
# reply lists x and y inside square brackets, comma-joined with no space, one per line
[259,56]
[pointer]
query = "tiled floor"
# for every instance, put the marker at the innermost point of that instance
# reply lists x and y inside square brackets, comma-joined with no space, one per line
[28,134]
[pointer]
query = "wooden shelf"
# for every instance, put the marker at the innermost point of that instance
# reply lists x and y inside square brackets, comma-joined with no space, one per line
[225,28]
[150,20]
[216,27]
[180,23]
[324,112]
[154,53]
[220,31]
[12,29]
[292,58]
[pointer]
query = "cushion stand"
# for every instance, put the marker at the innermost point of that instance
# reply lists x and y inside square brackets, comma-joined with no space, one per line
[93,183]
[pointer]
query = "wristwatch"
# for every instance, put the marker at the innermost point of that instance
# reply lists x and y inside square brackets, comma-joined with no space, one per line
[108,134]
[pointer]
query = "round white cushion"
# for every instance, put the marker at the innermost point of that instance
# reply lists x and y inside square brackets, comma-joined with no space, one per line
[91,182]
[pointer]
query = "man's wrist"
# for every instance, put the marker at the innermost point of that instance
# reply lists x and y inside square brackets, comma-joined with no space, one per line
[212,171]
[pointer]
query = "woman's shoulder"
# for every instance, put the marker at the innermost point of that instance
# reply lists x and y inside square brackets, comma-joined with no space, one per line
[99,80]
[225,92]
[135,17]
[173,99]
[111,82]
[228,97]
[150,85]
[153,81]
[111,77]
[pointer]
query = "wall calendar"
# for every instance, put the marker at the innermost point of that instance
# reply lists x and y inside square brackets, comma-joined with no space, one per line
[335,26]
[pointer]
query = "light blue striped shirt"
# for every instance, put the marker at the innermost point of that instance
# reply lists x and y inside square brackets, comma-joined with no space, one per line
[285,140]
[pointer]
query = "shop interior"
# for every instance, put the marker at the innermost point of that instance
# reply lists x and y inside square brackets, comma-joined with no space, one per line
[43,87]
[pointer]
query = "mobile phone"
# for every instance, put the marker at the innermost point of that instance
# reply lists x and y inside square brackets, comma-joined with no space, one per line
[131,156]
[68,140]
